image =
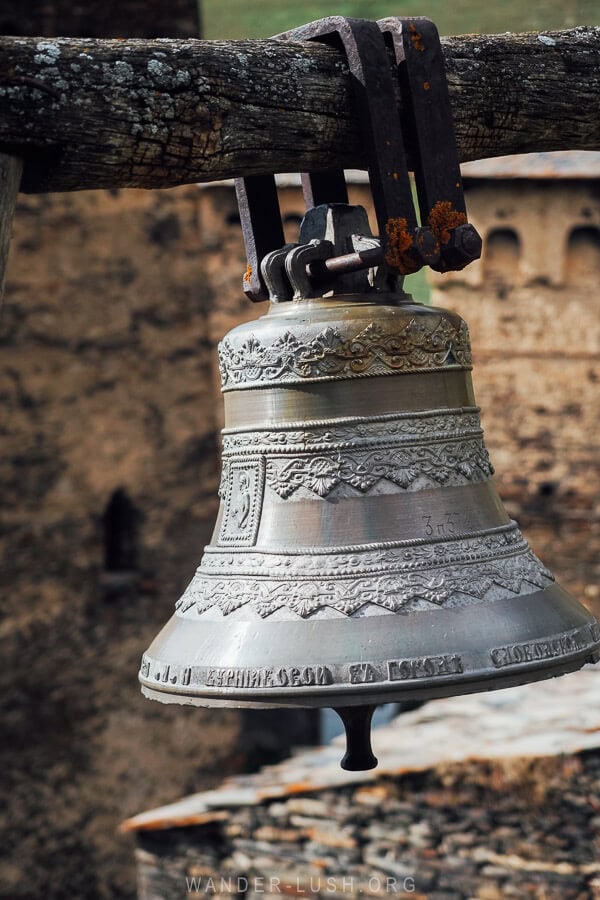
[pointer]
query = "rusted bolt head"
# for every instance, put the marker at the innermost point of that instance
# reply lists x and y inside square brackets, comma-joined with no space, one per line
[427,246]
[463,247]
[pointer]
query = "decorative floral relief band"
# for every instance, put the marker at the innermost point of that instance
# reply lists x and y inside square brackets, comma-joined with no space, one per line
[406,451]
[400,579]
[451,464]
[425,343]
[353,432]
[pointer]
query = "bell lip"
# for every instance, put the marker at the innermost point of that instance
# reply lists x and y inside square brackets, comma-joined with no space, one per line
[488,645]
[363,694]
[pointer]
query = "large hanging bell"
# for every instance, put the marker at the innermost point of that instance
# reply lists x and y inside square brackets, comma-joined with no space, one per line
[361,553]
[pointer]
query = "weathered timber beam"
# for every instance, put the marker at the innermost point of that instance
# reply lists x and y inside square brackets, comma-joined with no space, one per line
[10,177]
[136,113]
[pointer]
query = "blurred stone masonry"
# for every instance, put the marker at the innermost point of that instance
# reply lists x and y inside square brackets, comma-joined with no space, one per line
[489,796]
[114,304]
[531,303]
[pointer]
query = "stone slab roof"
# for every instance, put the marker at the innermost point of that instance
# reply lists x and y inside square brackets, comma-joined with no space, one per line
[576,164]
[560,164]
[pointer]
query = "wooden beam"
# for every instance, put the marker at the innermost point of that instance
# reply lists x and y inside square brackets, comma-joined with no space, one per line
[10,178]
[136,113]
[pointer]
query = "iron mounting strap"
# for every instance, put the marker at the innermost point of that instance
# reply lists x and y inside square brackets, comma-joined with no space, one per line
[443,240]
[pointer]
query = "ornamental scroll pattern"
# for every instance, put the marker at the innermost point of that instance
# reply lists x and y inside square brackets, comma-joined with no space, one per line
[405,557]
[408,452]
[395,591]
[424,343]
[412,468]
[356,432]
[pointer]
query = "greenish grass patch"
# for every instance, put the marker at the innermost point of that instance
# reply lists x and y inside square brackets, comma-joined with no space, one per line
[262,18]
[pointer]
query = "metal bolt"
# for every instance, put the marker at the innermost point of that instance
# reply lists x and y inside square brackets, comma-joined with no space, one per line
[427,246]
[463,247]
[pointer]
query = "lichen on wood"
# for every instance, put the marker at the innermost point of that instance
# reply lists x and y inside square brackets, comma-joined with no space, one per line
[140,113]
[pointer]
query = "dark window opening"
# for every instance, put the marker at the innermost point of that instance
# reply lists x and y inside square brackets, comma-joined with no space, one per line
[583,255]
[547,489]
[120,523]
[501,255]
[291,227]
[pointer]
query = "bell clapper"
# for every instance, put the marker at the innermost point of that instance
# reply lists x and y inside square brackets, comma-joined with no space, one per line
[359,756]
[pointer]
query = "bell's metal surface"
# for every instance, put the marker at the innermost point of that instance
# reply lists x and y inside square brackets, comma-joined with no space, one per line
[361,553]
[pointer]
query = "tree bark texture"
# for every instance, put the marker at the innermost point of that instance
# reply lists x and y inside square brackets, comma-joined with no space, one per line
[150,114]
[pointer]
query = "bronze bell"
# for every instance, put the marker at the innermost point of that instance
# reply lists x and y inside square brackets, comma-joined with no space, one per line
[361,553]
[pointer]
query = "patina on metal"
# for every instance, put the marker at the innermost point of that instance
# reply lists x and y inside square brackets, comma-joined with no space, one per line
[361,553]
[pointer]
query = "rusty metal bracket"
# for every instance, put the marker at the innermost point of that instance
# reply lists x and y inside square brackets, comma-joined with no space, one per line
[444,240]
[261,227]
[364,46]
[427,120]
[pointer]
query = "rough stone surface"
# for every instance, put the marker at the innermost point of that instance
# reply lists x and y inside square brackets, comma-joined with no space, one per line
[532,307]
[113,306]
[486,796]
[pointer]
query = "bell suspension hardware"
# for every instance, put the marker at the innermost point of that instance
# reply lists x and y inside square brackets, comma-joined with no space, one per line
[361,554]
[446,241]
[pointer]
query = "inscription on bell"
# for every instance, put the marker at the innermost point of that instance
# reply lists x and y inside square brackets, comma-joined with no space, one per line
[292,676]
[242,502]
[563,645]
[363,673]
[424,667]
[447,523]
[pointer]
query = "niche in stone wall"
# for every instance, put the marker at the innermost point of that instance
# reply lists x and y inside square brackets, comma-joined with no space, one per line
[501,259]
[583,256]
[291,226]
[120,523]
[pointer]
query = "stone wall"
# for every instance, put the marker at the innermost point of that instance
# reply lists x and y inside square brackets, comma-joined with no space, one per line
[113,306]
[532,308]
[486,831]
